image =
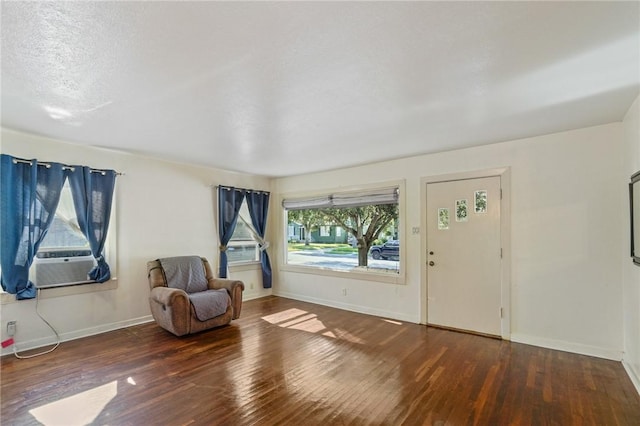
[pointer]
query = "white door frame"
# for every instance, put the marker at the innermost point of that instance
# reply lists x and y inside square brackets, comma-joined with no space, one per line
[505,240]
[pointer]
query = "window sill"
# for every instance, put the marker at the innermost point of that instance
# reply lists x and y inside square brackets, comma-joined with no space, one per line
[112,284]
[6,298]
[371,275]
[244,266]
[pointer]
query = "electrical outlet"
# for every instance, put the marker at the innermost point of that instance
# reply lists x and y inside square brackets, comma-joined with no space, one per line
[344,291]
[11,328]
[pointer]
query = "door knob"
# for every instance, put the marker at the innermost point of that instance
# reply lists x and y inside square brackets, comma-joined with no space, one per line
[431,252]
[431,263]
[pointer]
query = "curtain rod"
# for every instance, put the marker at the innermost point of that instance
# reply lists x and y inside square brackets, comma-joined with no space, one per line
[229,188]
[64,166]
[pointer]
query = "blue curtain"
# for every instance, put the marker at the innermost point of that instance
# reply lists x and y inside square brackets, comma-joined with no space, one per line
[92,193]
[29,197]
[258,204]
[229,203]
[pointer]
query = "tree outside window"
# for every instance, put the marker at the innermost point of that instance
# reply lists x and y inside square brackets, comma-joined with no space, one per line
[371,217]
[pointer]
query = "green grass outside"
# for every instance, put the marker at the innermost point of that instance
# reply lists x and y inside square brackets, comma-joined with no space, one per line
[328,248]
[343,248]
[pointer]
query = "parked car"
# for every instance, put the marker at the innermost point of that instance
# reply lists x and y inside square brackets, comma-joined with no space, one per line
[387,251]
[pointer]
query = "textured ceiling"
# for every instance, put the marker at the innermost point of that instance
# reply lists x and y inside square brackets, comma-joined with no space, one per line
[280,89]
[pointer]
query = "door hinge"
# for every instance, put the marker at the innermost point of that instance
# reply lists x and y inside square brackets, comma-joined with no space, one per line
[500,252]
[501,313]
[501,193]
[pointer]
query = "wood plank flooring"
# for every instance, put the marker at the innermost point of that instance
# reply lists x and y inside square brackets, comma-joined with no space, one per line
[286,362]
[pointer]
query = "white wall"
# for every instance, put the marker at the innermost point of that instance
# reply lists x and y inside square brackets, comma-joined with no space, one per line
[567,283]
[630,272]
[162,209]
[566,290]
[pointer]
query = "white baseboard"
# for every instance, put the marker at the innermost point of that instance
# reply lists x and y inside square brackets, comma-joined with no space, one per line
[103,328]
[251,296]
[76,334]
[633,374]
[349,307]
[577,348]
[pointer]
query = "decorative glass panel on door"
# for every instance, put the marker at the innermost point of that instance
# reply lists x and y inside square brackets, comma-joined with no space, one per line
[443,218]
[461,211]
[480,201]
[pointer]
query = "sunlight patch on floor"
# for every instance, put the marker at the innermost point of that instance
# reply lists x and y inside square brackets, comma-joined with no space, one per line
[294,322]
[80,409]
[287,315]
[345,335]
[297,319]
[311,325]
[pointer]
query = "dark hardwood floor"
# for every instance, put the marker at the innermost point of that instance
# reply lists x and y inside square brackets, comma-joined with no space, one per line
[289,362]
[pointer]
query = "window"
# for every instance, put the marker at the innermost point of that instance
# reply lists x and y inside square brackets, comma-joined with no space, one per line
[64,232]
[243,247]
[370,217]
[64,256]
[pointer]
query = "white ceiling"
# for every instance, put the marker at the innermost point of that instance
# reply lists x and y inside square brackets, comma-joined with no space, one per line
[280,89]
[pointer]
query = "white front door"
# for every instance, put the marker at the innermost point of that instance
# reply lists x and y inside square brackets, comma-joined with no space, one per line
[464,255]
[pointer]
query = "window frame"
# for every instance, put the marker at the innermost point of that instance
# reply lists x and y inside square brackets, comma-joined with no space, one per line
[375,275]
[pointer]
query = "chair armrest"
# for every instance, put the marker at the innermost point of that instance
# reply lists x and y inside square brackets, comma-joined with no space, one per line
[169,296]
[171,309]
[235,289]
[230,285]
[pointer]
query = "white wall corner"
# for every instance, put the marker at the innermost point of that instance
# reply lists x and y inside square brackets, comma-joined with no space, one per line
[633,375]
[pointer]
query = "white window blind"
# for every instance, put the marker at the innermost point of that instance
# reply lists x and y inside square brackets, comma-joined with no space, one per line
[345,199]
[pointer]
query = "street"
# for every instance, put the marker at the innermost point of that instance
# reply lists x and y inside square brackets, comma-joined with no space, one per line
[343,262]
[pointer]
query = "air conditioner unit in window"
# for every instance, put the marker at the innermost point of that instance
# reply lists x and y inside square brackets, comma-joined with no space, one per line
[56,268]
